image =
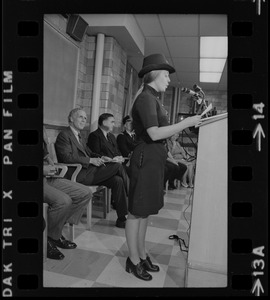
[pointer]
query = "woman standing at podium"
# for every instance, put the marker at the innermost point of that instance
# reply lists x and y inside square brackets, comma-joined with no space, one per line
[147,162]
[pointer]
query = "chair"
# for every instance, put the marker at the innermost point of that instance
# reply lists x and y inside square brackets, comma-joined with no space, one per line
[93,188]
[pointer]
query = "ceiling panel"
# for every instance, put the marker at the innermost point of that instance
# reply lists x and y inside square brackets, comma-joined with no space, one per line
[179,25]
[186,64]
[188,77]
[183,46]
[170,61]
[178,38]
[156,45]
[149,24]
[213,25]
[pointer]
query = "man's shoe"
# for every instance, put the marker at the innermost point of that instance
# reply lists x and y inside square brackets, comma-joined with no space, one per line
[120,224]
[63,243]
[53,252]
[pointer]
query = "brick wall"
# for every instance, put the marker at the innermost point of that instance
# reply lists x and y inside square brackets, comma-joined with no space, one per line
[113,81]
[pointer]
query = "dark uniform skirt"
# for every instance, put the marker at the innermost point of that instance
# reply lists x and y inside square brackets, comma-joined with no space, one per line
[147,165]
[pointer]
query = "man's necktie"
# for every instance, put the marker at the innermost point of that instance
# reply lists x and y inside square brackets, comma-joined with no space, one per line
[109,139]
[80,138]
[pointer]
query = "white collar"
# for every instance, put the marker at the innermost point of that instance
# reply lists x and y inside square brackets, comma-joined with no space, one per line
[130,133]
[76,133]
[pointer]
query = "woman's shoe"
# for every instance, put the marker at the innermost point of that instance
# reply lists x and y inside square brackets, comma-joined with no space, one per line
[137,270]
[191,185]
[148,266]
[184,184]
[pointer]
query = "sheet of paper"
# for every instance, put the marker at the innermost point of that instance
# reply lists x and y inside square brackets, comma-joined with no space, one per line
[209,107]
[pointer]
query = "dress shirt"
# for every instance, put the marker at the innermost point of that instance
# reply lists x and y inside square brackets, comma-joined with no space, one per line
[76,133]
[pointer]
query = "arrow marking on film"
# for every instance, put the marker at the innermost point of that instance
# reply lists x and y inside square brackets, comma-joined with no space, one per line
[259,132]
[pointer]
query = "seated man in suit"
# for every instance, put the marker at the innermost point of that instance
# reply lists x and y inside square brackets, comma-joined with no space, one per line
[96,170]
[67,201]
[126,140]
[102,140]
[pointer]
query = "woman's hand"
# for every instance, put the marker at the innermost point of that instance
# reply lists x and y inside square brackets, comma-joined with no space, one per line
[191,121]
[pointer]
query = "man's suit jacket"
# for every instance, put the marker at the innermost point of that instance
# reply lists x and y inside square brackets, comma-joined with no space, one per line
[69,150]
[126,143]
[98,143]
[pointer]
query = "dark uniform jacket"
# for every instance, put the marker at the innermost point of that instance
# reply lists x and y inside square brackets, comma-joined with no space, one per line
[126,143]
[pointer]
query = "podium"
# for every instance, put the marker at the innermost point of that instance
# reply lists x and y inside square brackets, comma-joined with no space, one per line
[207,254]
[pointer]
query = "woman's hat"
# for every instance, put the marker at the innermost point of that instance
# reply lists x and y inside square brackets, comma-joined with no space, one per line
[155,62]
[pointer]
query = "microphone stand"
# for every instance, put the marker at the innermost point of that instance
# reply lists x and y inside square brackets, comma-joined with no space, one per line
[203,105]
[195,146]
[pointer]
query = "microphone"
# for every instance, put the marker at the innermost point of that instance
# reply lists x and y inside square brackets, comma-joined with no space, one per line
[197,88]
[188,91]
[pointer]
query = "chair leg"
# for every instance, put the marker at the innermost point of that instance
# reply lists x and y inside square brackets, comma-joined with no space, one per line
[105,201]
[110,199]
[71,232]
[45,231]
[89,215]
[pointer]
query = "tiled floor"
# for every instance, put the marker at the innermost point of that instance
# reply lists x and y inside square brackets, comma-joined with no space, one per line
[99,259]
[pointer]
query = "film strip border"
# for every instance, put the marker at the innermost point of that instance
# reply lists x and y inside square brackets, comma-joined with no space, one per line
[22,105]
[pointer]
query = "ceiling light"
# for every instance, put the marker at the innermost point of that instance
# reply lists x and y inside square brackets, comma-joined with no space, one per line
[214,47]
[212,64]
[213,55]
[210,77]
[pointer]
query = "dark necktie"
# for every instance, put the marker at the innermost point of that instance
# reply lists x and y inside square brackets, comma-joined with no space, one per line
[80,138]
[109,139]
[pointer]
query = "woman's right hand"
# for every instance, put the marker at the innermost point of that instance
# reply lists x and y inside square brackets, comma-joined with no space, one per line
[191,121]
